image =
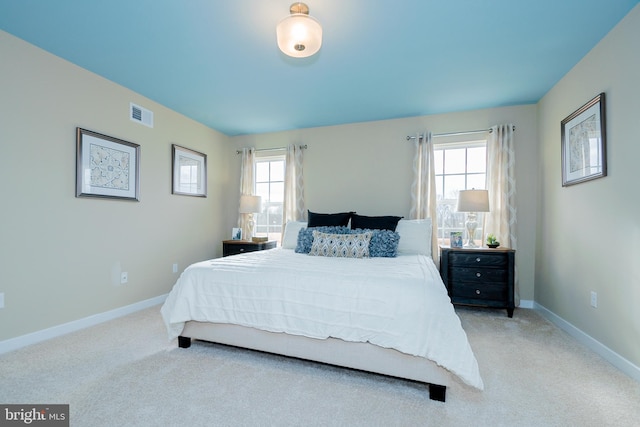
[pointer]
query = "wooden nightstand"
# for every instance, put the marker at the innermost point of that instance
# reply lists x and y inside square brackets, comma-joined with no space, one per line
[479,277]
[234,247]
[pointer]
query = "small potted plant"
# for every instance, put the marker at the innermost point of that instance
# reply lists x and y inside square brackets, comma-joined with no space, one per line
[492,242]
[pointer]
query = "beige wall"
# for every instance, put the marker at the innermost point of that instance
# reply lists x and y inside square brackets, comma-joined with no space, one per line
[589,234]
[367,167]
[59,254]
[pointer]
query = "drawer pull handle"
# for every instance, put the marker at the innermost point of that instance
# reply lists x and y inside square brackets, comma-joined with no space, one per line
[241,249]
[477,291]
[478,274]
[478,259]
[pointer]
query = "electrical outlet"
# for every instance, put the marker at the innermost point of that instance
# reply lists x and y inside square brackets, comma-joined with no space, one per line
[2,300]
[175,268]
[124,277]
[594,299]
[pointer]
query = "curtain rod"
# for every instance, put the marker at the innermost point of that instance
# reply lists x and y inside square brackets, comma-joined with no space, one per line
[466,132]
[302,147]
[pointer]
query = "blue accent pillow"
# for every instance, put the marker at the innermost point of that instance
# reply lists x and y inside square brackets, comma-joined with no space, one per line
[383,243]
[305,236]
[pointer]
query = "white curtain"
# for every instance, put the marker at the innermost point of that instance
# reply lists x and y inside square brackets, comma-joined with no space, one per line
[423,189]
[501,183]
[293,207]
[246,186]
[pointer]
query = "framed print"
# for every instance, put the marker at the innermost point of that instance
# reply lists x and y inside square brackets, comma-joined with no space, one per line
[189,172]
[106,167]
[455,239]
[584,154]
[236,233]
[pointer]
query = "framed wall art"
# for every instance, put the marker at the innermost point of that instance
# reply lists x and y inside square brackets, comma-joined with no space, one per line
[189,172]
[106,167]
[584,154]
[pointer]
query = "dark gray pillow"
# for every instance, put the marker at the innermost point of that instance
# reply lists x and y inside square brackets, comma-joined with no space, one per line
[328,220]
[386,222]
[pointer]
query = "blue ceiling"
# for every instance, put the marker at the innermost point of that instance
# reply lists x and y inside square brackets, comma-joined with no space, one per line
[216,61]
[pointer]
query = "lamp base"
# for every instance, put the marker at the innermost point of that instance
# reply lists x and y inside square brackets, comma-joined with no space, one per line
[471,226]
[250,226]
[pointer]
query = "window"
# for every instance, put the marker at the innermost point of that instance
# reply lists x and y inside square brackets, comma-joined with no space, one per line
[458,166]
[269,184]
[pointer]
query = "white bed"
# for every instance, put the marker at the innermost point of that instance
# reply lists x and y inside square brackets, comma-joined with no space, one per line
[385,315]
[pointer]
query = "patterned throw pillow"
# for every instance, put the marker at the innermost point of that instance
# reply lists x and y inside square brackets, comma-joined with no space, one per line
[305,236]
[384,243]
[341,245]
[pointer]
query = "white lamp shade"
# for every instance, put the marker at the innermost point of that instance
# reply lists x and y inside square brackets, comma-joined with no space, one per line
[250,204]
[299,35]
[473,201]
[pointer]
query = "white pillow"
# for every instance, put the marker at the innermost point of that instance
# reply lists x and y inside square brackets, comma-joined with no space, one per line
[415,236]
[291,229]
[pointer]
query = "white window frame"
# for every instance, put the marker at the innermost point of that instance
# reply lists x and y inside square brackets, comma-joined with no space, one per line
[263,220]
[448,219]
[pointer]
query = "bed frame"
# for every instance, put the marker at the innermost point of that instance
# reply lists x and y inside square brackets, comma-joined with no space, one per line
[333,351]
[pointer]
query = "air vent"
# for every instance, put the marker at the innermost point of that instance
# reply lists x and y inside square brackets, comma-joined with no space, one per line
[140,115]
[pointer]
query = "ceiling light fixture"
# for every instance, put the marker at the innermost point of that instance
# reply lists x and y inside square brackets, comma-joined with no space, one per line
[299,34]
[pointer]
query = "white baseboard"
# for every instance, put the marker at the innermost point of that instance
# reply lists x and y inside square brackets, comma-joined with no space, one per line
[76,325]
[611,356]
[526,303]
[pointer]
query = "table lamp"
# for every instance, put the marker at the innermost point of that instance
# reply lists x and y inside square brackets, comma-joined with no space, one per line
[250,205]
[472,201]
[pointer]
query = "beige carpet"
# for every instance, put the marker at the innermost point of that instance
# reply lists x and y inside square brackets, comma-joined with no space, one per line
[125,373]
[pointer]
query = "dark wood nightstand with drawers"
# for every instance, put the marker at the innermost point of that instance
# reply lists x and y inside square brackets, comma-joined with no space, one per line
[479,277]
[234,247]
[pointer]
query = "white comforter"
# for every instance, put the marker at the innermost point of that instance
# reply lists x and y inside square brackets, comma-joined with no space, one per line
[398,303]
